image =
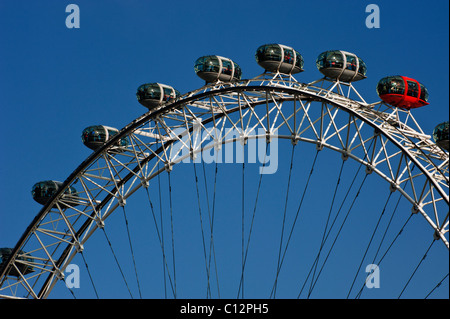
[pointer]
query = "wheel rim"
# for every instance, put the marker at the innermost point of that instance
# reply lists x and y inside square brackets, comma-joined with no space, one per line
[223,101]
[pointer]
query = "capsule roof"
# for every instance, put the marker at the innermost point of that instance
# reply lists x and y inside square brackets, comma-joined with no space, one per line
[403,92]
[97,135]
[212,68]
[152,95]
[341,65]
[43,191]
[279,58]
[441,135]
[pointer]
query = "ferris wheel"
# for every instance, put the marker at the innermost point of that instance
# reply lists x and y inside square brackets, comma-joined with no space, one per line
[381,138]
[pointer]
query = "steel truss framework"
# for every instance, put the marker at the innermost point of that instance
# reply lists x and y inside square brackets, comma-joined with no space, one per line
[332,114]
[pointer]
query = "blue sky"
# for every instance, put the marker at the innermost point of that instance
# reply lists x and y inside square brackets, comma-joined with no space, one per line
[56,81]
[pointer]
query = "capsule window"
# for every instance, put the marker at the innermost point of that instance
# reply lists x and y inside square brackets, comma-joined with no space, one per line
[320,62]
[362,67]
[391,85]
[382,87]
[207,64]
[43,189]
[335,60]
[227,67]
[112,133]
[153,92]
[413,89]
[397,86]
[423,93]
[272,53]
[94,134]
[237,71]
[288,56]
[198,67]
[351,62]
[97,135]
[167,94]
[441,132]
[213,65]
[298,60]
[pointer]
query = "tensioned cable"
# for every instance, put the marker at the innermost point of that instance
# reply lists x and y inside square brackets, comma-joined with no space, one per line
[437,286]
[161,242]
[212,250]
[313,282]
[211,245]
[211,241]
[358,295]
[316,261]
[71,291]
[338,233]
[89,274]
[284,216]
[393,241]
[370,242]
[392,216]
[295,220]
[117,262]
[201,227]
[173,241]
[162,236]
[241,283]
[132,251]
[390,246]
[417,267]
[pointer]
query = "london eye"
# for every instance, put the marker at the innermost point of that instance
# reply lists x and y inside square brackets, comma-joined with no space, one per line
[325,120]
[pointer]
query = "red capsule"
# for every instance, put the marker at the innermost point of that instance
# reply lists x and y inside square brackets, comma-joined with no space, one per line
[403,92]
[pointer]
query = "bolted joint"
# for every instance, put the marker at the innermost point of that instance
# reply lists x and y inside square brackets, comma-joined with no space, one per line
[122,201]
[369,169]
[217,145]
[192,155]
[376,132]
[268,137]
[319,146]
[78,246]
[436,235]
[144,182]
[393,187]
[100,223]
[294,139]
[345,155]
[243,139]
[415,209]
[59,274]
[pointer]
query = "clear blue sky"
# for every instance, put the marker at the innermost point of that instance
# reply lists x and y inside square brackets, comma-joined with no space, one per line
[56,81]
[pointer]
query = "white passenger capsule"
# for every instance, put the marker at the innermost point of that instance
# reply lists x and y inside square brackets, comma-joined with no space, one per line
[341,65]
[152,95]
[212,68]
[279,58]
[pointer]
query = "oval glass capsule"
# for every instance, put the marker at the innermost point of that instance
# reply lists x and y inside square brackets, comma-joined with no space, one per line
[45,190]
[212,68]
[152,95]
[441,135]
[98,135]
[403,92]
[341,65]
[279,58]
